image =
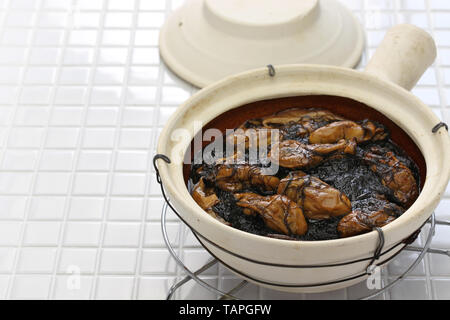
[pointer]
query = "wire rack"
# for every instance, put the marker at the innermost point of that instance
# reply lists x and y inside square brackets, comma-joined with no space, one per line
[433,89]
[232,294]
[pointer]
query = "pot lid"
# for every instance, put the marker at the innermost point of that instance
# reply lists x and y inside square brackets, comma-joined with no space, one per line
[206,40]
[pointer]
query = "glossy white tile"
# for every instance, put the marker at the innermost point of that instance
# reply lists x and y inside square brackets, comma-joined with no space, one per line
[118,261]
[125,209]
[86,208]
[47,208]
[36,260]
[82,234]
[30,287]
[121,234]
[114,287]
[68,287]
[41,233]
[81,260]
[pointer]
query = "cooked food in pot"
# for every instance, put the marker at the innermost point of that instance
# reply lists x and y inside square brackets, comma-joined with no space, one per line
[295,155]
[373,214]
[206,198]
[243,177]
[335,177]
[278,212]
[393,173]
[348,130]
[318,199]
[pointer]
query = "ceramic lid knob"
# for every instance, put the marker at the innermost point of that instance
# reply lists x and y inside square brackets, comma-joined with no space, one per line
[261,13]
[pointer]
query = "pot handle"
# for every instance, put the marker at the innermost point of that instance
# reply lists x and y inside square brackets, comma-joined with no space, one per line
[403,56]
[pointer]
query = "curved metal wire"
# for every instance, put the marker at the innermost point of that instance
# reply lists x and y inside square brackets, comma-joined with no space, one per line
[194,275]
[191,275]
[412,266]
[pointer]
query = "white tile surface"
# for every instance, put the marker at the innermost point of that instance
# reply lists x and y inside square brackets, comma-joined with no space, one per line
[7,259]
[126,209]
[82,234]
[83,258]
[83,97]
[86,208]
[14,206]
[121,234]
[114,287]
[47,208]
[441,288]
[63,290]
[157,261]
[154,287]
[36,260]
[414,289]
[118,261]
[42,233]
[30,287]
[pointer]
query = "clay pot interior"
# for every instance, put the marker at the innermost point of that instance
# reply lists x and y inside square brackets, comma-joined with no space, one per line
[348,108]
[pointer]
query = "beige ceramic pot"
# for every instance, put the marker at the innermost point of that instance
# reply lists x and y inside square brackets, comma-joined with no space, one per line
[302,266]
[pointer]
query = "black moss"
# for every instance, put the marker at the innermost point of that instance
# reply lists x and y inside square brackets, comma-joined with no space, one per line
[352,177]
[348,174]
[321,229]
[232,213]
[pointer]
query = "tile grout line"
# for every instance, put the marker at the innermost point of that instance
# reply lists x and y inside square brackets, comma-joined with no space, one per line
[144,208]
[19,85]
[179,272]
[33,178]
[70,26]
[440,81]
[149,182]
[110,174]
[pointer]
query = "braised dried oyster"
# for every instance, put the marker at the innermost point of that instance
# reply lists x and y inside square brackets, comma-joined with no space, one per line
[348,130]
[352,178]
[296,155]
[235,178]
[310,119]
[255,137]
[376,213]
[278,212]
[206,199]
[317,199]
[393,173]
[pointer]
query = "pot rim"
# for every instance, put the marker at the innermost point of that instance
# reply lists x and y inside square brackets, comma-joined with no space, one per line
[413,212]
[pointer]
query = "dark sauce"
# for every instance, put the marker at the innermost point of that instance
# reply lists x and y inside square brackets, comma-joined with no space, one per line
[349,174]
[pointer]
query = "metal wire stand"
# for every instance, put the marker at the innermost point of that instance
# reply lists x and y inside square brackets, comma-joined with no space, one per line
[194,275]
